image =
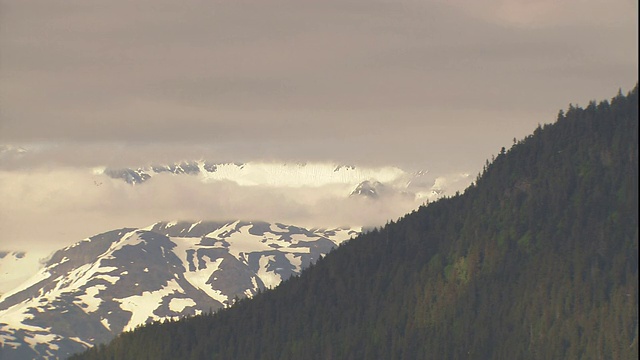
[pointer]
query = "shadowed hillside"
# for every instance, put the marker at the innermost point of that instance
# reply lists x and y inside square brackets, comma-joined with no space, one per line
[536,260]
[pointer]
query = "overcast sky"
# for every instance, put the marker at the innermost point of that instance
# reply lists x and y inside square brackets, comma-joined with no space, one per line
[431,84]
[390,82]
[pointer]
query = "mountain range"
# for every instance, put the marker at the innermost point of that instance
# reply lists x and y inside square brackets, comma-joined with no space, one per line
[418,184]
[205,190]
[51,307]
[89,292]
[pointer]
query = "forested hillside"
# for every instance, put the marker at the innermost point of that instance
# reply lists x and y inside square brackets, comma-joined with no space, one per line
[536,260]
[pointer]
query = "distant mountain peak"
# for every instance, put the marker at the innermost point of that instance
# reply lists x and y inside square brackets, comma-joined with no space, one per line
[261,173]
[369,189]
[117,280]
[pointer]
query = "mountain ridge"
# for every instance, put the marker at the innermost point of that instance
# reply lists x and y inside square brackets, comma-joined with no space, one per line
[418,183]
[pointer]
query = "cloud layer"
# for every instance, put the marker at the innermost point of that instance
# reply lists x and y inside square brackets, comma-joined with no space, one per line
[46,208]
[397,81]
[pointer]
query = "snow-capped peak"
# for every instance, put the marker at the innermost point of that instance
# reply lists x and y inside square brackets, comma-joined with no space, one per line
[264,173]
[112,282]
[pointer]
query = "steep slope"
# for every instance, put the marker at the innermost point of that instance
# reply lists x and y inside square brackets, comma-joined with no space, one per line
[89,292]
[537,260]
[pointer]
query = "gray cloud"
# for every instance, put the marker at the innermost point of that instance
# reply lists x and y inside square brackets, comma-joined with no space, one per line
[160,71]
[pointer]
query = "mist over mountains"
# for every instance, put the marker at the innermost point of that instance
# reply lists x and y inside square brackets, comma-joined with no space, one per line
[46,298]
[71,203]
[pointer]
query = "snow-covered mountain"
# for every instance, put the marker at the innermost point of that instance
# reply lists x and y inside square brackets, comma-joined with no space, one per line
[369,189]
[421,185]
[89,292]
[263,173]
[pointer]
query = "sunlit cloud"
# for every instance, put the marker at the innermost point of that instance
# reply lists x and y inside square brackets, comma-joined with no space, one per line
[45,208]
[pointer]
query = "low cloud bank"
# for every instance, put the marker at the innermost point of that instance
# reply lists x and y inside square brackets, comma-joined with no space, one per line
[45,208]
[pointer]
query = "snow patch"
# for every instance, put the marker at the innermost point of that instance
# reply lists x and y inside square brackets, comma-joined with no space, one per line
[110,278]
[295,260]
[178,305]
[193,225]
[10,341]
[171,224]
[254,283]
[80,341]
[200,277]
[91,299]
[242,241]
[16,315]
[269,278]
[38,338]
[142,307]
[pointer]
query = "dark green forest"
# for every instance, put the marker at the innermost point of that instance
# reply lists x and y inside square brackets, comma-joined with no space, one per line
[537,259]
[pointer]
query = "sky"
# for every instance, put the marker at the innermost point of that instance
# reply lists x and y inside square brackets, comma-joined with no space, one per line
[431,84]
